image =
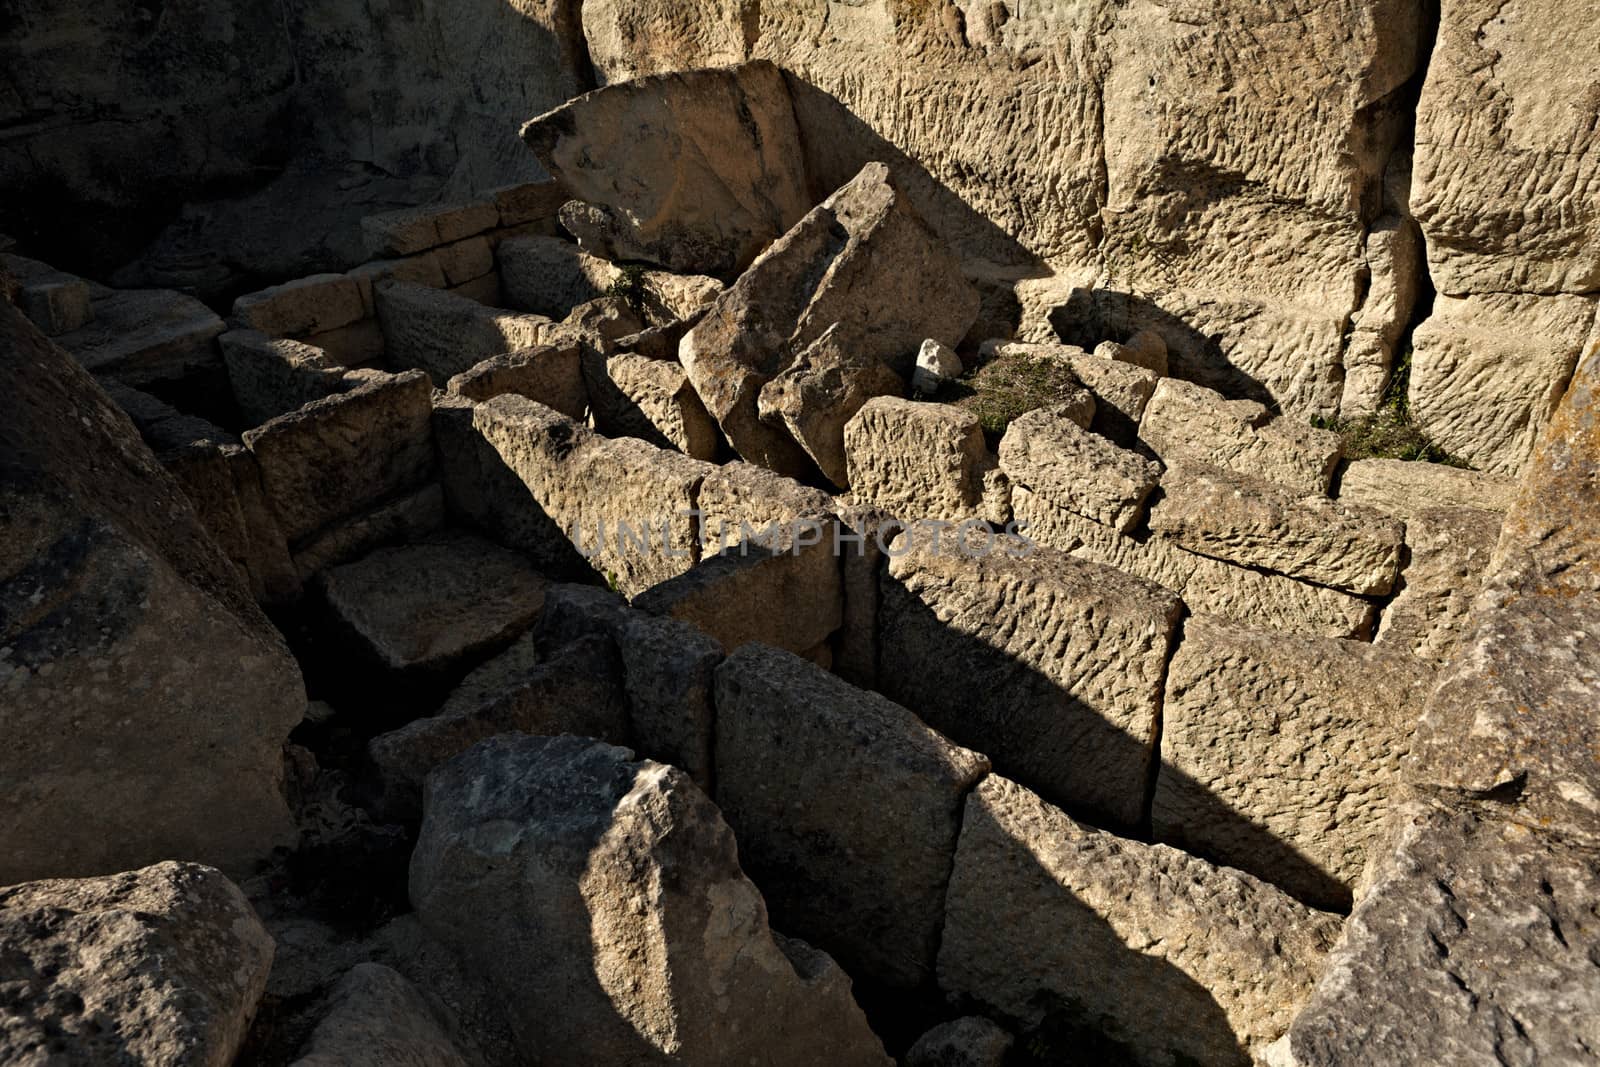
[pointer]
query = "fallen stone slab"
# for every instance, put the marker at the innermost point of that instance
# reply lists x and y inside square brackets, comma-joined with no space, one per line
[937,364]
[1480,933]
[1449,551]
[1281,756]
[302,307]
[1208,586]
[375,1016]
[423,269]
[344,454]
[465,261]
[800,755]
[429,607]
[412,230]
[1403,488]
[1188,423]
[972,1041]
[862,259]
[446,334]
[160,965]
[1052,666]
[1166,956]
[653,400]
[549,276]
[403,520]
[920,461]
[120,616]
[1146,349]
[550,373]
[529,867]
[575,690]
[1073,469]
[272,376]
[141,336]
[1254,523]
[629,150]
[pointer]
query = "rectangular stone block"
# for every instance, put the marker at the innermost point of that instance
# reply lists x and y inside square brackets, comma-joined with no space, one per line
[801,757]
[651,399]
[56,305]
[141,336]
[446,334]
[465,261]
[423,269]
[917,460]
[1448,550]
[342,455]
[1254,523]
[1169,958]
[357,345]
[1281,755]
[1078,471]
[1121,390]
[1208,586]
[302,307]
[274,376]
[1050,665]
[529,202]
[399,521]
[551,276]
[1403,488]
[402,233]
[551,373]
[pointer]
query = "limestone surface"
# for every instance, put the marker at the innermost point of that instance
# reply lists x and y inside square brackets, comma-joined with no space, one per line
[1121,391]
[603,899]
[374,1016]
[972,1041]
[271,377]
[1404,489]
[918,460]
[1078,471]
[446,334]
[551,373]
[160,965]
[655,402]
[302,307]
[1449,550]
[870,891]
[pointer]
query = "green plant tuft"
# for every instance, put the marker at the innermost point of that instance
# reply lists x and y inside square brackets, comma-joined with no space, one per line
[1389,433]
[1008,387]
[630,286]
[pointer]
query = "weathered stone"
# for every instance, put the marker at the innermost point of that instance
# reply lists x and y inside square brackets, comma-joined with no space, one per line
[1146,348]
[528,202]
[56,304]
[1187,423]
[446,334]
[1208,586]
[485,290]
[412,230]
[864,260]
[865,536]
[338,456]
[413,270]
[820,392]
[1165,955]
[918,460]
[146,697]
[651,399]
[160,965]
[1476,944]
[1281,756]
[799,755]
[357,345]
[626,505]
[576,690]
[1449,550]
[142,336]
[1488,371]
[465,261]
[1394,256]
[1404,489]
[937,364]
[631,150]
[376,1017]
[1052,666]
[464,598]
[1254,523]
[1513,715]
[402,520]
[1053,457]
[667,672]
[550,373]
[271,377]
[549,276]
[530,865]
[668,297]
[301,307]
[1121,391]
[972,1041]
[607,318]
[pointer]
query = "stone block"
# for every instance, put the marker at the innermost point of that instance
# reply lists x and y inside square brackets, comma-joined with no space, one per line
[1448,550]
[652,399]
[549,276]
[1188,423]
[918,460]
[445,334]
[1078,471]
[550,373]
[412,230]
[1403,488]
[302,307]
[465,261]
[271,376]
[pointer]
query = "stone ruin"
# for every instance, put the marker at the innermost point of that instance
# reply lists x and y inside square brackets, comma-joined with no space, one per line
[588,632]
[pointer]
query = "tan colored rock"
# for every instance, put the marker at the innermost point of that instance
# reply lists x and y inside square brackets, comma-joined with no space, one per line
[937,364]
[1394,255]
[1078,471]
[863,259]
[1052,666]
[631,150]
[140,336]
[1449,550]
[635,40]
[1121,390]
[817,395]
[1488,371]
[918,460]
[1187,423]
[626,505]
[374,1016]
[56,302]
[1404,489]
[1146,348]
[401,520]
[412,230]
[655,402]
[160,965]
[271,377]
[607,318]
[339,456]
[1168,957]
[423,269]
[1208,586]
[551,373]
[1281,756]
[530,865]
[865,534]
[120,617]
[549,276]
[800,755]
[1254,523]
[446,334]
[303,307]
[528,202]
[465,261]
